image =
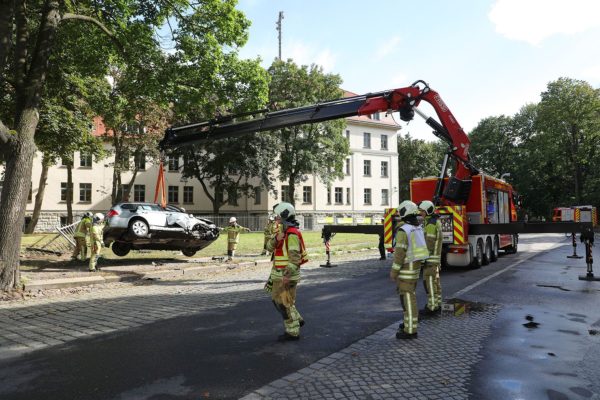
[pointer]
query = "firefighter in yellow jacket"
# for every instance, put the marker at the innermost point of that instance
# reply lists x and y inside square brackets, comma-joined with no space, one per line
[270,230]
[82,230]
[233,236]
[409,254]
[431,271]
[96,240]
[289,253]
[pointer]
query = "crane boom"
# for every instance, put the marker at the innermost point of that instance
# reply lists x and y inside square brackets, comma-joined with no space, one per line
[402,100]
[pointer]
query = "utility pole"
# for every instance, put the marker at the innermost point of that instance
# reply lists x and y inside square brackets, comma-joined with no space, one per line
[279,30]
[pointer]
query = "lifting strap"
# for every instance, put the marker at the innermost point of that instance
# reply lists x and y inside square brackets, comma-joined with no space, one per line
[160,185]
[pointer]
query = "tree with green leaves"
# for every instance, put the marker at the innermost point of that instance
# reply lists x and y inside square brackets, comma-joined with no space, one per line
[319,149]
[93,36]
[417,158]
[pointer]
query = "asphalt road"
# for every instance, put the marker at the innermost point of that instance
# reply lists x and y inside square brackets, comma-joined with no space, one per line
[223,352]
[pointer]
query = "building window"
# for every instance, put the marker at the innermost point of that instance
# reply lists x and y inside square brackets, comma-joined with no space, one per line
[376,116]
[85,160]
[188,194]
[384,142]
[328,195]
[139,192]
[307,194]
[232,199]
[139,160]
[348,196]
[384,197]
[63,191]
[367,168]
[85,192]
[367,196]
[173,194]
[63,220]
[348,135]
[285,193]
[366,140]
[65,162]
[173,163]
[125,192]
[384,169]
[347,166]
[339,195]
[257,193]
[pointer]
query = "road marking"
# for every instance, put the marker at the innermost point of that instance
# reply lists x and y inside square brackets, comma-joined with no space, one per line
[495,274]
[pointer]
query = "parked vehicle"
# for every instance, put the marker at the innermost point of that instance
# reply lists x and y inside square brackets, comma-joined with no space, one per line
[136,226]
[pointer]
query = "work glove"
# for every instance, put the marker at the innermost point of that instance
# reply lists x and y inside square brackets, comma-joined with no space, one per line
[269,285]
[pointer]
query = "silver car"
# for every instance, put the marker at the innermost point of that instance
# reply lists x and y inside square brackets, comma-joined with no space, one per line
[136,226]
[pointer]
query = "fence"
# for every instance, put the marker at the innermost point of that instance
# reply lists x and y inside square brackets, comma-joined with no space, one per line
[58,243]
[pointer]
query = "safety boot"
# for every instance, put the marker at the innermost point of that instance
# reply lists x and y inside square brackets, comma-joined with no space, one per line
[400,334]
[426,312]
[287,337]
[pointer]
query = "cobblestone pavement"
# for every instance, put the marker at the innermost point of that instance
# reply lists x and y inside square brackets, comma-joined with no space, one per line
[48,321]
[436,366]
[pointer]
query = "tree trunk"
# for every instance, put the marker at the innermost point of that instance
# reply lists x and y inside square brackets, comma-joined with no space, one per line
[17,181]
[39,197]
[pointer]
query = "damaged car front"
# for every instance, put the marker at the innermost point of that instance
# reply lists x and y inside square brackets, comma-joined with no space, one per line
[148,226]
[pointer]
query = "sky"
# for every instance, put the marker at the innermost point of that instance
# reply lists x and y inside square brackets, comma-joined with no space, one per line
[484,57]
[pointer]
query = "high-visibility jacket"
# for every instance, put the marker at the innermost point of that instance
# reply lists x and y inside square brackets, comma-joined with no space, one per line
[233,233]
[416,246]
[281,253]
[433,237]
[84,226]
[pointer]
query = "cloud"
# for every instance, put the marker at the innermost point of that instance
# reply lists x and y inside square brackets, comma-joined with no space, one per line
[388,47]
[306,54]
[533,21]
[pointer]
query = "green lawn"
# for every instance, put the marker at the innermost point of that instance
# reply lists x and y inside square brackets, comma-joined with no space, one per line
[250,244]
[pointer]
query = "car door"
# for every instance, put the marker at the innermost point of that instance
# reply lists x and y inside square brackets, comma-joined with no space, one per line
[154,214]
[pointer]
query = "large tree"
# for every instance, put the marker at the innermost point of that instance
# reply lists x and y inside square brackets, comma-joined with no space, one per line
[319,149]
[417,158]
[97,33]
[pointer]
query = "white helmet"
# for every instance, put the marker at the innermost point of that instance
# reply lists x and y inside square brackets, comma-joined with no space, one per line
[271,218]
[427,206]
[407,208]
[284,210]
[98,217]
[232,220]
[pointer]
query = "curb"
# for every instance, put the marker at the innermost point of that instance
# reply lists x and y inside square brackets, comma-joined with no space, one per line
[63,283]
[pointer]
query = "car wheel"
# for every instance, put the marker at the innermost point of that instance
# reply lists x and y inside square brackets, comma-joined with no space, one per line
[120,249]
[495,249]
[487,254]
[478,258]
[188,252]
[139,228]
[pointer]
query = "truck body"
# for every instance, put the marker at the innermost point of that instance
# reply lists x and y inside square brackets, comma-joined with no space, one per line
[576,214]
[490,201]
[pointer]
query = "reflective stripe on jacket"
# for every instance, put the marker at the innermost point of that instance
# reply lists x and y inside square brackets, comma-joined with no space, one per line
[433,237]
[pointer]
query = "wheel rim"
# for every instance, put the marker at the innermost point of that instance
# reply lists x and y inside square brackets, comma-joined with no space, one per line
[496,248]
[139,228]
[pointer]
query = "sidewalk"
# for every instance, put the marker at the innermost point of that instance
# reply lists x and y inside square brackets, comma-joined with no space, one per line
[532,332]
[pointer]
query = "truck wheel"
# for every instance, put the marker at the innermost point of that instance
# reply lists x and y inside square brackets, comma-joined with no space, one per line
[513,248]
[495,249]
[139,228]
[487,254]
[188,252]
[478,257]
[120,249]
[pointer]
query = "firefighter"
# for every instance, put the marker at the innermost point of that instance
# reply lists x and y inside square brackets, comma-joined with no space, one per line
[289,253]
[431,270]
[409,254]
[270,230]
[96,241]
[233,236]
[82,230]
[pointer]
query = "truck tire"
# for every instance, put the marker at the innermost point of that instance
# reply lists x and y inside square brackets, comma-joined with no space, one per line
[478,256]
[513,248]
[495,249]
[120,249]
[487,252]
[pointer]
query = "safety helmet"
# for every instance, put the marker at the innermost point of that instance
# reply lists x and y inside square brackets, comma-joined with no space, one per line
[271,218]
[407,208]
[427,206]
[98,217]
[284,210]
[232,220]
[87,214]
